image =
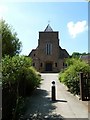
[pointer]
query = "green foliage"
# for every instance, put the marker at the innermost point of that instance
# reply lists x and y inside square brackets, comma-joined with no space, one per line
[70,61]
[0,73]
[19,80]
[77,54]
[13,66]
[70,76]
[10,43]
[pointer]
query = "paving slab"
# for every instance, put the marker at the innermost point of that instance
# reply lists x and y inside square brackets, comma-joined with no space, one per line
[66,106]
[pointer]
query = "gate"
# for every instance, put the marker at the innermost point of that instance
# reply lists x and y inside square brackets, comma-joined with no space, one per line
[85,86]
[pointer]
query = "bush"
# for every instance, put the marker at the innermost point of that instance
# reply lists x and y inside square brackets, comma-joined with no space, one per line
[70,76]
[19,80]
[29,80]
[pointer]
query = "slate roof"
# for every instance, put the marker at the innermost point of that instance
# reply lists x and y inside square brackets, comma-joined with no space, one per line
[85,57]
[48,29]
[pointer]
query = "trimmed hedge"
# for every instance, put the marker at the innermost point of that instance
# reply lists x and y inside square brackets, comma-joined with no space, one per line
[19,80]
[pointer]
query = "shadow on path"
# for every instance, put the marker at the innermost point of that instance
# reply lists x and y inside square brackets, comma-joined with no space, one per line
[40,107]
[59,101]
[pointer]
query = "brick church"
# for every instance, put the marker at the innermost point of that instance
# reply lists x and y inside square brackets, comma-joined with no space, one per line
[48,56]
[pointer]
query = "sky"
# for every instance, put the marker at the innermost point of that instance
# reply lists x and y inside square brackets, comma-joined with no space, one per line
[70,19]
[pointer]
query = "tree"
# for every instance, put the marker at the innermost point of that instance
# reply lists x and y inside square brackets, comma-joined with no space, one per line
[10,43]
[76,54]
[88,0]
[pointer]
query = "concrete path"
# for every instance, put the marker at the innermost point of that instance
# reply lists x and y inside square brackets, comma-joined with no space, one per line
[41,107]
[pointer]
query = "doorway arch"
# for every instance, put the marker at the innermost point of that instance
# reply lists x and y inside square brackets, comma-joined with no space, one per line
[48,66]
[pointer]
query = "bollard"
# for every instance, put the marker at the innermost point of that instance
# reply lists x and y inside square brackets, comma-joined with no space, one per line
[53,91]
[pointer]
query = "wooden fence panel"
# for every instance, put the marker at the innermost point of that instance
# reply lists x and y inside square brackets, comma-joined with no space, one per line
[85,86]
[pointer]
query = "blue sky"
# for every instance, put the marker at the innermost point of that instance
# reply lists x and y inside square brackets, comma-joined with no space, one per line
[69,18]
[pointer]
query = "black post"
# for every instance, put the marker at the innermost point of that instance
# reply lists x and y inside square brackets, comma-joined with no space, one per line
[53,91]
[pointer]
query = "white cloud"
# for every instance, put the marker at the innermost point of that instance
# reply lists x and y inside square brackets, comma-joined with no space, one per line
[3,10]
[76,28]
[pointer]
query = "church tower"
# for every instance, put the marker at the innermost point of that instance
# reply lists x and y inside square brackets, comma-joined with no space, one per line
[48,56]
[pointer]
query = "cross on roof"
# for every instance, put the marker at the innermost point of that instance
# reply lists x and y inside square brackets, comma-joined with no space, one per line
[49,21]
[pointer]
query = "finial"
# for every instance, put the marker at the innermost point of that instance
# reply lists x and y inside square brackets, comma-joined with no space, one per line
[48,21]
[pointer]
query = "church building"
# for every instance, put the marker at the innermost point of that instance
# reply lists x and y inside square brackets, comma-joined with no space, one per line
[48,56]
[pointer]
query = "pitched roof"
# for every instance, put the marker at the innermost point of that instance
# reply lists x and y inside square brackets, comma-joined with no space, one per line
[85,57]
[48,29]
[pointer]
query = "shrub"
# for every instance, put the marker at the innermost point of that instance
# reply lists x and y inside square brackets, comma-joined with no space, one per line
[70,76]
[29,80]
[19,80]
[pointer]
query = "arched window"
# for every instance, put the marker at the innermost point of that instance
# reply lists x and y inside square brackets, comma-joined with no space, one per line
[48,48]
[34,64]
[55,64]
[41,64]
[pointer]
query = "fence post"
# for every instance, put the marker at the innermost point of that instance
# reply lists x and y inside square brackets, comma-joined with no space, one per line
[81,86]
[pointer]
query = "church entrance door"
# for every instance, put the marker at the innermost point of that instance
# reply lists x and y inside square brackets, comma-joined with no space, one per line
[48,67]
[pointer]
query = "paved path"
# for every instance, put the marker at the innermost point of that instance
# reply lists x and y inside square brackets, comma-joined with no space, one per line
[41,107]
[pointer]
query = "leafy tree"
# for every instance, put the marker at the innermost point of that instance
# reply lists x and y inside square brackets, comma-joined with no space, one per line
[77,54]
[88,0]
[10,43]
